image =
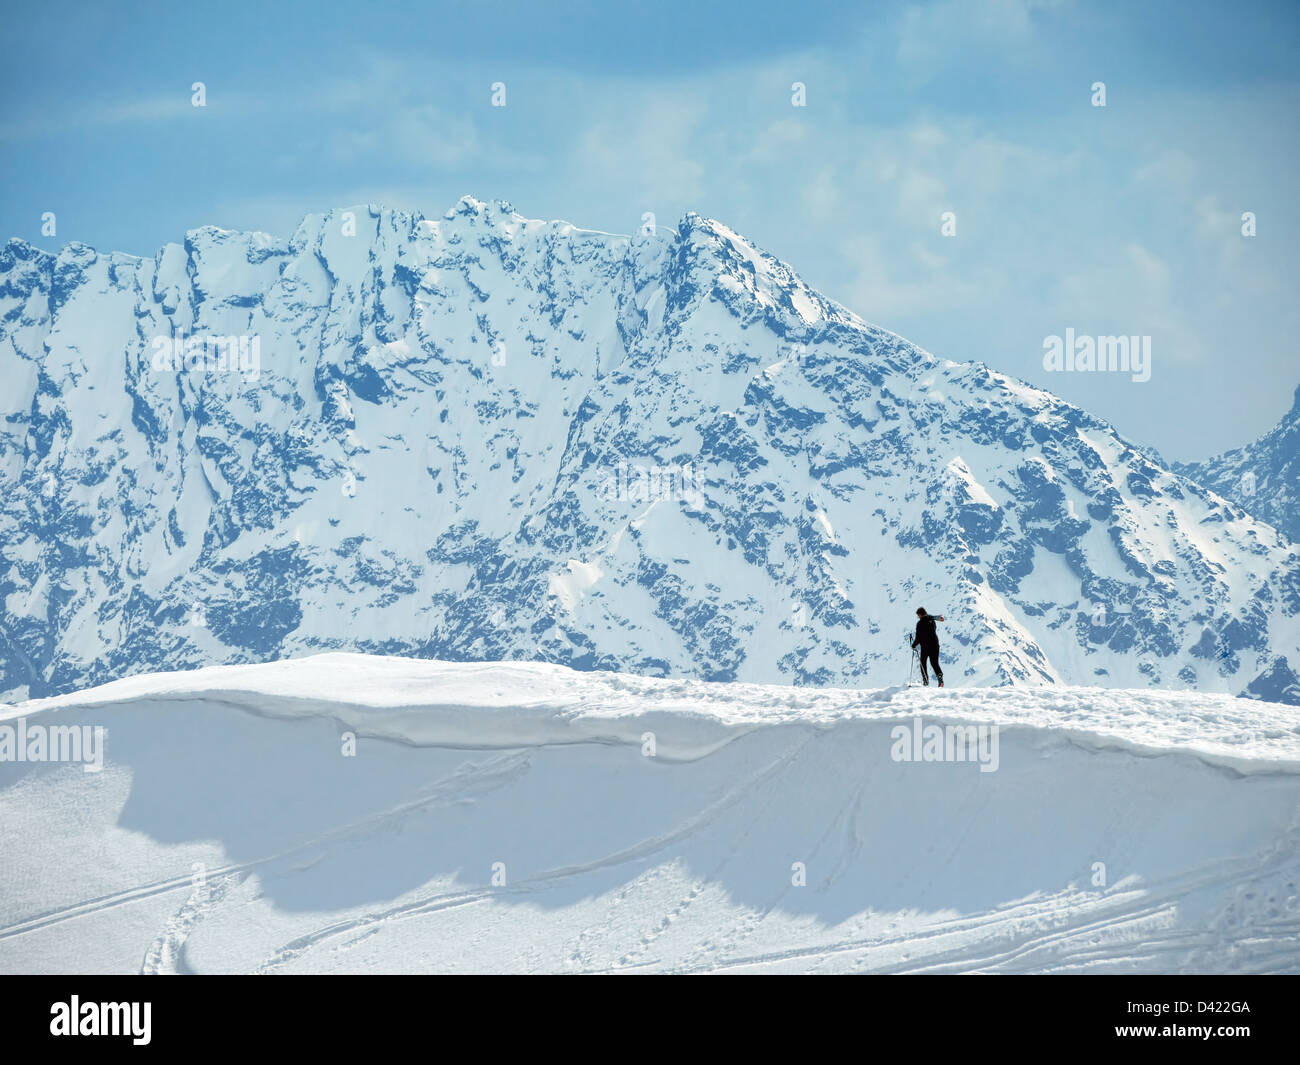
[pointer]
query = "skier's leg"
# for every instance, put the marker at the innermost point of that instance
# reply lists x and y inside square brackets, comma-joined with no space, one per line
[925,677]
[934,661]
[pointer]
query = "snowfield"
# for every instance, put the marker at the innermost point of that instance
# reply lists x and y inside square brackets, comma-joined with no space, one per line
[529,818]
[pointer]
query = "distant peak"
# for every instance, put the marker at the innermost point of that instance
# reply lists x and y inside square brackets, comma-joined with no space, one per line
[472,207]
[23,250]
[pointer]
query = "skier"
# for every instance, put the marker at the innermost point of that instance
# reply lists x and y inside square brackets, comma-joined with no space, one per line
[927,637]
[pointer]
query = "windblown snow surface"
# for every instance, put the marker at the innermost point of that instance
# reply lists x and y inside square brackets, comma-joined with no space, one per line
[508,817]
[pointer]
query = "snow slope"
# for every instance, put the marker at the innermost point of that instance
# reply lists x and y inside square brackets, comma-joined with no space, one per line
[228,833]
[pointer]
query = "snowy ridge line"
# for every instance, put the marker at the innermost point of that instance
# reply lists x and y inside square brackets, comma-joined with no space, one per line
[508,705]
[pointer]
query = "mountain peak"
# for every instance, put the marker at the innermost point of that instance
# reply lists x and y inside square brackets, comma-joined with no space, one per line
[485,437]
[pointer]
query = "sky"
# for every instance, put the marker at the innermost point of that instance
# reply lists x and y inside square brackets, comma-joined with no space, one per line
[1125,219]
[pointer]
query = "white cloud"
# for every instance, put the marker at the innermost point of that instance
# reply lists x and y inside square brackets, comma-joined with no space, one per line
[932,36]
[420,134]
[647,149]
[1150,267]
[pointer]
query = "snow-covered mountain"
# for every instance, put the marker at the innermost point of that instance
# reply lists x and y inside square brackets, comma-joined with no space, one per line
[436,817]
[482,437]
[1263,477]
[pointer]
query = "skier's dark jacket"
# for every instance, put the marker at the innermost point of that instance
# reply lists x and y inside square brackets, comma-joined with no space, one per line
[927,634]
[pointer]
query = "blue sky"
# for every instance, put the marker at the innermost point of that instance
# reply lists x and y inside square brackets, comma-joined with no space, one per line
[1117,220]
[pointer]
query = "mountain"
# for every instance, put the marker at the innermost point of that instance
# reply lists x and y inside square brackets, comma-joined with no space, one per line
[482,437]
[1263,477]
[511,817]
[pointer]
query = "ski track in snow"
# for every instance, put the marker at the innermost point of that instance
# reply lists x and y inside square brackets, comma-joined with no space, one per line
[617,862]
[165,955]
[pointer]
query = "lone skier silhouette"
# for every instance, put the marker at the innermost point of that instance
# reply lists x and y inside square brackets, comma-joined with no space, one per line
[927,638]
